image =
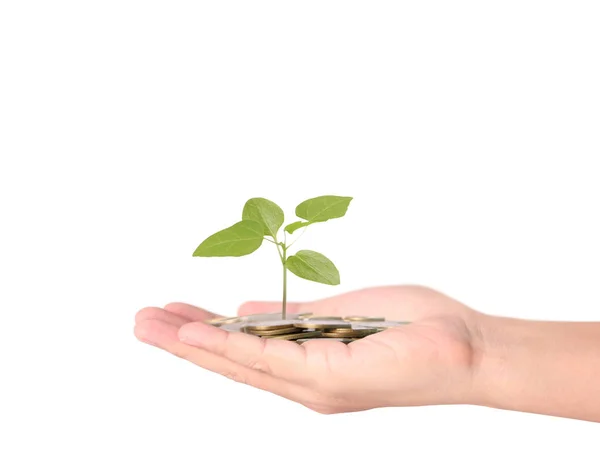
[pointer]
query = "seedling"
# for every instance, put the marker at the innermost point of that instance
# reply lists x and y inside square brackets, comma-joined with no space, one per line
[262,220]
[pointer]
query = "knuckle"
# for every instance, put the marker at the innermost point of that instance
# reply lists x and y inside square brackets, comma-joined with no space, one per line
[173,307]
[181,353]
[259,365]
[324,404]
[258,362]
[235,376]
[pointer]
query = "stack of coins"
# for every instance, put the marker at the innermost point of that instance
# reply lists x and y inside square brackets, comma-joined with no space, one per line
[284,330]
[306,326]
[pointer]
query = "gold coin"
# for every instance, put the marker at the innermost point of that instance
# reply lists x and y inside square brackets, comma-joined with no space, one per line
[304,315]
[269,325]
[223,320]
[364,319]
[270,333]
[214,321]
[319,325]
[299,335]
[338,339]
[334,335]
[351,333]
[365,330]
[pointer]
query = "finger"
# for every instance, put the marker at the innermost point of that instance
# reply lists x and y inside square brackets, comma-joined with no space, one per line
[164,335]
[189,312]
[156,313]
[279,358]
[268,307]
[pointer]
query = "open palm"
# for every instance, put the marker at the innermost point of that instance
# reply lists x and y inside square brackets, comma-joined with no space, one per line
[428,361]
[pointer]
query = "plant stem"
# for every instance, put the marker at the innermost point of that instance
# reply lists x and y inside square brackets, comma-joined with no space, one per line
[284,302]
[281,250]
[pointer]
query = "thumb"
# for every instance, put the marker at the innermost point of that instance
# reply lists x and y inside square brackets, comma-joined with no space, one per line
[267,307]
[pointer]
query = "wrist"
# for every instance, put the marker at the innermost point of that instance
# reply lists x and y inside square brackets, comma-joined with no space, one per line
[506,354]
[536,366]
[489,367]
[542,367]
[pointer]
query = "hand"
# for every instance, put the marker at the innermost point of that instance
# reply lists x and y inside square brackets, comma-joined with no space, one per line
[432,360]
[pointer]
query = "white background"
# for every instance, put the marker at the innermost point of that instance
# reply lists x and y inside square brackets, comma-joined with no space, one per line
[467,132]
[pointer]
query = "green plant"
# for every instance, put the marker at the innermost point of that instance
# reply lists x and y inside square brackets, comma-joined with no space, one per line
[262,220]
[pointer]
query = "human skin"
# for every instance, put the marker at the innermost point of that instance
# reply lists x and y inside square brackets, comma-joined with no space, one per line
[449,353]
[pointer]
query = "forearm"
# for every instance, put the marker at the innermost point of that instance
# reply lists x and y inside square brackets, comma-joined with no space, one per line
[550,368]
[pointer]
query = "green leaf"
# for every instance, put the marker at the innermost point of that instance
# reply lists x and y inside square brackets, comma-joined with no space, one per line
[242,238]
[267,213]
[290,228]
[323,208]
[313,266]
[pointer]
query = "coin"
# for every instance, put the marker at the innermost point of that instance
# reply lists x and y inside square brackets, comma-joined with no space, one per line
[379,325]
[237,327]
[340,335]
[335,335]
[304,326]
[350,333]
[271,333]
[325,324]
[364,319]
[218,321]
[274,316]
[335,339]
[299,335]
[269,325]
[214,321]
